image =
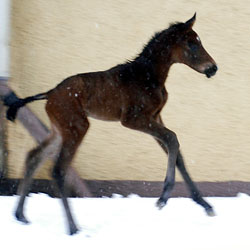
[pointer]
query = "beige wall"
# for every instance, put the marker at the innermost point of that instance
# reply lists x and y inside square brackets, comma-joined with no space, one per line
[54,39]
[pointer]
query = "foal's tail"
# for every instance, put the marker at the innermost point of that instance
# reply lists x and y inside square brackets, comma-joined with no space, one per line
[14,103]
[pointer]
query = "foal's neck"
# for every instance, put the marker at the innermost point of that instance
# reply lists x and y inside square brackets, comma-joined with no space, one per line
[157,56]
[159,63]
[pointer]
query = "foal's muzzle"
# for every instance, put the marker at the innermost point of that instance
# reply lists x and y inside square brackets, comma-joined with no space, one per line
[211,71]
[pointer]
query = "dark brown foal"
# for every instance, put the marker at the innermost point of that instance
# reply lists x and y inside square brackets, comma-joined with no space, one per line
[132,93]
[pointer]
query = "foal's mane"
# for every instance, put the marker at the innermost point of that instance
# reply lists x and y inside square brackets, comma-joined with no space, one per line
[165,37]
[142,65]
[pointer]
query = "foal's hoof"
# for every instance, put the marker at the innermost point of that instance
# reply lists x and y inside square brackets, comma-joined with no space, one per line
[74,230]
[21,218]
[210,212]
[160,204]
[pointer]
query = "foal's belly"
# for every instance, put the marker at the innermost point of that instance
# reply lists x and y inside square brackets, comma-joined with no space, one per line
[104,114]
[104,107]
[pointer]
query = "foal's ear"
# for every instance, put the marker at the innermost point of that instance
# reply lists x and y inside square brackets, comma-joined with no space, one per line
[189,24]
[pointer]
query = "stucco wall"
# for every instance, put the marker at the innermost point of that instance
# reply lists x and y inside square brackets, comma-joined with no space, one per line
[54,39]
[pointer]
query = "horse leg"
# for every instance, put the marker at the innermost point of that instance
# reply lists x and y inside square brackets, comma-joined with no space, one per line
[168,139]
[34,159]
[71,139]
[195,193]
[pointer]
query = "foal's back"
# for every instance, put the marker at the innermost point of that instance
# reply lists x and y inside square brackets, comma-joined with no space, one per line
[105,95]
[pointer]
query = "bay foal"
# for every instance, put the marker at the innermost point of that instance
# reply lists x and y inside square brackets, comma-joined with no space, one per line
[132,93]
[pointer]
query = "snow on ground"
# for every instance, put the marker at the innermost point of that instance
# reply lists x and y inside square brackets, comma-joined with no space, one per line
[127,223]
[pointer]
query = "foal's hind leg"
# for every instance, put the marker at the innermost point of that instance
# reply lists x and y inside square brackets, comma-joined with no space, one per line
[195,193]
[71,139]
[35,158]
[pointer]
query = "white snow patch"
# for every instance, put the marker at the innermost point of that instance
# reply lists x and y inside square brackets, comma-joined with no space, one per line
[127,223]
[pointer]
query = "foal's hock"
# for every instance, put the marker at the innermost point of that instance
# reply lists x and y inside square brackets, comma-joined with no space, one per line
[132,93]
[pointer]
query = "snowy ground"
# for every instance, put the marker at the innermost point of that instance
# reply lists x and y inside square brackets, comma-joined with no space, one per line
[127,223]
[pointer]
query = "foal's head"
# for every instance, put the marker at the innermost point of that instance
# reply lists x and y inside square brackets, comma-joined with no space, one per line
[189,50]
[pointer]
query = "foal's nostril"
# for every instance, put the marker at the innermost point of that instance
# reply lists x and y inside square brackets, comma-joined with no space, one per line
[215,68]
[211,71]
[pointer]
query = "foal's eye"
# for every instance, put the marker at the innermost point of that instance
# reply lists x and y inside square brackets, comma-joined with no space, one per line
[193,46]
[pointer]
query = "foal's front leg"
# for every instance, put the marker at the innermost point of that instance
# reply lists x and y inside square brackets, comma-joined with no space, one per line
[195,193]
[172,145]
[169,140]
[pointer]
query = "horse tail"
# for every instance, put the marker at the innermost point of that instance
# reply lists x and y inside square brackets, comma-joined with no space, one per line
[14,103]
